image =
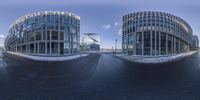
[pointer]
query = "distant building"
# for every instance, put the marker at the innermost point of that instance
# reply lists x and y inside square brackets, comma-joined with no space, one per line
[152,33]
[195,42]
[45,33]
[90,42]
[2,48]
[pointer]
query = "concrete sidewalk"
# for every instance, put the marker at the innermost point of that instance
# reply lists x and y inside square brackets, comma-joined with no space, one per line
[155,60]
[2,62]
[50,58]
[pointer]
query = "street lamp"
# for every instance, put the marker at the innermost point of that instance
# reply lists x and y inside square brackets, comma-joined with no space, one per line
[115,45]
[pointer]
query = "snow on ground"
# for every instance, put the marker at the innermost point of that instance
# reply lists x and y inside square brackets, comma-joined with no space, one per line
[51,58]
[154,60]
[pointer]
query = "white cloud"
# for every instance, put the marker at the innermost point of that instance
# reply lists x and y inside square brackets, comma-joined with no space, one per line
[106,27]
[120,32]
[2,36]
[116,24]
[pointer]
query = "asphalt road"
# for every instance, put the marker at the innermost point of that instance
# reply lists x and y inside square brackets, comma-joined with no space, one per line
[98,77]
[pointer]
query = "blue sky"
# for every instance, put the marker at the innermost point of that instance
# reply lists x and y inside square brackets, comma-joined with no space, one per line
[102,16]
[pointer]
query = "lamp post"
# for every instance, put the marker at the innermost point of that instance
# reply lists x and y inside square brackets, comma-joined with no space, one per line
[115,45]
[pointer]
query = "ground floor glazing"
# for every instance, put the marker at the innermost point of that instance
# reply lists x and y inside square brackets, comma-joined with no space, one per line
[152,43]
[46,48]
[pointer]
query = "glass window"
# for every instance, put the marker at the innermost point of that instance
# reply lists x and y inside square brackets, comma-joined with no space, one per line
[147,43]
[125,43]
[32,38]
[54,35]
[74,38]
[61,48]
[42,47]
[48,47]
[62,28]
[138,43]
[163,43]
[48,35]
[130,44]
[61,35]
[66,48]
[48,17]
[157,42]
[32,48]
[169,44]
[38,36]
[44,35]
[177,45]
[54,47]
[153,43]
[50,25]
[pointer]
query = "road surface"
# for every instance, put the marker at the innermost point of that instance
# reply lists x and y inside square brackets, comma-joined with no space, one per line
[98,77]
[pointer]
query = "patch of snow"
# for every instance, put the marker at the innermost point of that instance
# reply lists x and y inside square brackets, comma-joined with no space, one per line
[155,60]
[43,58]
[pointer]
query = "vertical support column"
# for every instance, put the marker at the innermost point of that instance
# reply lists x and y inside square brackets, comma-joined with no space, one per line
[159,34]
[29,48]
[41,33]
[58,42]
[71,42]
[46,42]
[179,45]
[175,45]
[172,47]
[34,44]
[58,36]
[16,47]
[122,44]
[143,43]
[134,44]
[26,42]
[151,43]
[58,48]
[166,50]
[38,47]
[50,47]
[155,41]
[21,48]
[34,47]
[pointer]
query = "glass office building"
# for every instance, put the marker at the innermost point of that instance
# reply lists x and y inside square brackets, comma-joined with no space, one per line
[151,33]
[195,42]
[90,42]
[45,33]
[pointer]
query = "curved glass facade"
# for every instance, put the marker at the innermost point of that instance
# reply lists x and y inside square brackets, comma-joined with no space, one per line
[45,33]
[155,33]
